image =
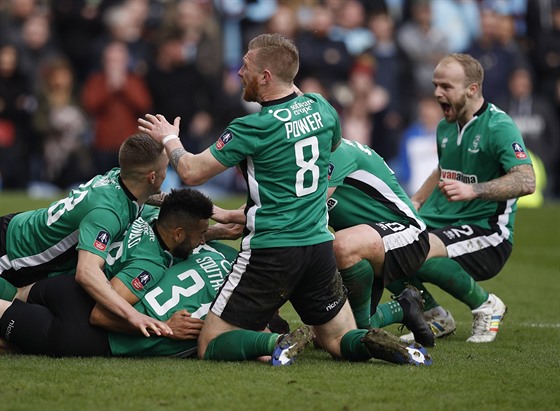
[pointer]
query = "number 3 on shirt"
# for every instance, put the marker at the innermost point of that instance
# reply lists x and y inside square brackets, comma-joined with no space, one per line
[307,166]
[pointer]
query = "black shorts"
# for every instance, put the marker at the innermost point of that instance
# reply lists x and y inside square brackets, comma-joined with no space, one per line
[481,252]
[28,275]
[262,280]
[406,249]
[55,321]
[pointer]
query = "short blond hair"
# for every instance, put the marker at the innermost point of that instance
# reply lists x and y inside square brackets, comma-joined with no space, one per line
[277,54]
[474,73]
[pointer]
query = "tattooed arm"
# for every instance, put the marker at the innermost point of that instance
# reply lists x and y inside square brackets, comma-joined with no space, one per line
[193,169]
[518,182]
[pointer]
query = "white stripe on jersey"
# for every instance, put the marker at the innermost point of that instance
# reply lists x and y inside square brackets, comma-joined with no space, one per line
[49,254]
[385,190]
[254,193]
[232,282]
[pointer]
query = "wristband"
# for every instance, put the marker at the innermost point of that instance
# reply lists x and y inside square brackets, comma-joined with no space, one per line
[166,139]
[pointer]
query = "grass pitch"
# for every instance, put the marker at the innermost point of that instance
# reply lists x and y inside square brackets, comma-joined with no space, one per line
[519,371]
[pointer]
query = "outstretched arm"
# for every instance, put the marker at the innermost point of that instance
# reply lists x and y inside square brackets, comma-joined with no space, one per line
[519,181]
[90,276]
[193,169]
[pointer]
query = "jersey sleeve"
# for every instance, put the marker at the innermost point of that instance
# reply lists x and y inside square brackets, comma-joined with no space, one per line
[340,165]
[98,229]
[234,145]
[508,145]
[141,275]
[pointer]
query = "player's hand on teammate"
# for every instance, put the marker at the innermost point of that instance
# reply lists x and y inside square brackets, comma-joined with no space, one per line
[221,231]
[455,190]
[184,326]
[148,325]
[156,199]
[158,127]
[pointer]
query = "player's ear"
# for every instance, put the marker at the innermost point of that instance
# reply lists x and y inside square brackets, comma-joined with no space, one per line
[265,77]
[472,89]
[151,177]
[179,234]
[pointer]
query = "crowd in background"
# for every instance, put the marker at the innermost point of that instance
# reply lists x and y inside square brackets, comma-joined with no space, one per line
[76,74]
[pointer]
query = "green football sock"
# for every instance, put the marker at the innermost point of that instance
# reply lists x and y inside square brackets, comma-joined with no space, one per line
[7,290]
[238,345]
[397,287]
[448,275]
[352,347]
[386,314]
[358,279]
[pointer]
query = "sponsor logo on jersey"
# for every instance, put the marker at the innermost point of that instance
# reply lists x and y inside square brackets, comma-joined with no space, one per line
[143,278]
[444,142]
[330,170]
[459,176]
[102,240]
[518,150]
[225,138]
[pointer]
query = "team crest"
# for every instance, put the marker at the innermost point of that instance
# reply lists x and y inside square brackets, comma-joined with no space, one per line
[102,240]
[518,150]
[331,169]
[143,278]
[225,138]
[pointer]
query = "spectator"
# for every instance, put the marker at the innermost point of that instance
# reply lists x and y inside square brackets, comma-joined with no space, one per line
[536,120]
[115,98]
[77,24]
[16,102]
[424,45]
[417,156]
[125,24]
[13,15]
[350,28]
[170,78]
[459,20]
[497,59]
[61,126]
[320,57]
[543,24]
[38,47]
[393,73]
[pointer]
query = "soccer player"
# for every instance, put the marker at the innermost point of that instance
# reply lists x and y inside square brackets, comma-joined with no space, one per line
[469,200]
[286,252]
[57,323]
[150,246]
[377,232]
[76,232]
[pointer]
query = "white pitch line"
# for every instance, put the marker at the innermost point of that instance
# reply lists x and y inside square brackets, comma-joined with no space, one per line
[526,325]
[539,325]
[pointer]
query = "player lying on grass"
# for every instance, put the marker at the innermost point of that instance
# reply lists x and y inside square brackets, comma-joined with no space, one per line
[75,232]
[140,258]
[56,321]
